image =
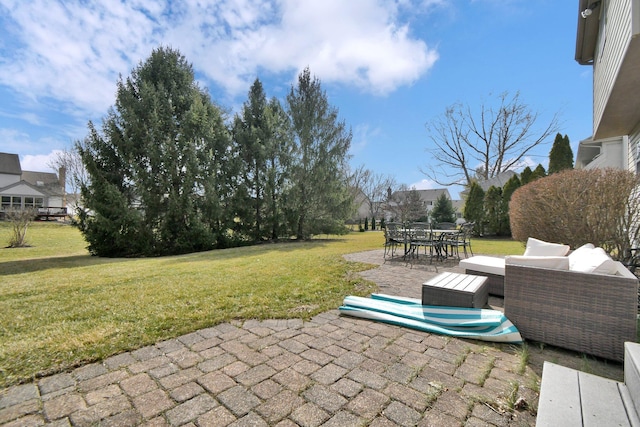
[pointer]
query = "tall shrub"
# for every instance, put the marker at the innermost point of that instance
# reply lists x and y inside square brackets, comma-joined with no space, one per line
[495,213]
[507,191]
[20,220]
[474,207]
[577,207]
[561,155]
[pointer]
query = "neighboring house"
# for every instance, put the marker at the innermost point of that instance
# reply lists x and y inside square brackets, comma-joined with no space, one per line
[363,208]
[427,200]
[20,189]
[497,181]
[608,39]
[458,206]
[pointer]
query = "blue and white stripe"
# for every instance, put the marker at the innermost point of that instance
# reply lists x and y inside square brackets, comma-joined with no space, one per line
[481,324]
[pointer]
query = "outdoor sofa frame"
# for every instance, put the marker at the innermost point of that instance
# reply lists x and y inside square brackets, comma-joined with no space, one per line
[586,312]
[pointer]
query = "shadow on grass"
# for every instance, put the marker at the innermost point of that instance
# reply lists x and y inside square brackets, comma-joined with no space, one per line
[40,264]
[77,261]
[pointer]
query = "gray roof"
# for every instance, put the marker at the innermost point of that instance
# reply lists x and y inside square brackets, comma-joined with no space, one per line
[497,181]
[45,182]
[425,195]
[40,178]
[10,164]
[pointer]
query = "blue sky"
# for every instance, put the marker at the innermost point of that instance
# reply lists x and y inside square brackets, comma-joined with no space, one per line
[389,66]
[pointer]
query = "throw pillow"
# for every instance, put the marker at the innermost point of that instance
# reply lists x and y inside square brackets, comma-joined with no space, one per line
[595,260]
[582,251]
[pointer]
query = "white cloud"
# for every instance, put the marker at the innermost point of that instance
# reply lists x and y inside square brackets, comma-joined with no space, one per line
[362,135]
[425,184]
[14,141]
[38,163]
[73,51]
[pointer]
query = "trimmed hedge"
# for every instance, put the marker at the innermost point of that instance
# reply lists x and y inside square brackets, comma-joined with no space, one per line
[575,207]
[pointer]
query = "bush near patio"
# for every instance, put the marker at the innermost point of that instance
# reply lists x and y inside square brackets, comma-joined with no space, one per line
[575,207]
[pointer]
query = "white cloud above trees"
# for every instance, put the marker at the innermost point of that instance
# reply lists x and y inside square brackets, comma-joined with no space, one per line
[73,51]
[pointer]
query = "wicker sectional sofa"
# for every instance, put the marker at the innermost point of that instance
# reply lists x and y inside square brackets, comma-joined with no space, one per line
[582,301]
[587,312]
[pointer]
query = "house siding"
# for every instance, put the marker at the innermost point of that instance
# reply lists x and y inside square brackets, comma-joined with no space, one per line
[615,35]
[21,190]
[634,150]
[6,179]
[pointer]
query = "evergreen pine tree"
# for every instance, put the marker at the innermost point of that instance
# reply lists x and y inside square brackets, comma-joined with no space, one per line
[278,157]
[319,200]
[526,176]
[561,155]
[151,188]
[539,172]
[494,210]
[443,210]
[474,207]
[507,191]
[250,132]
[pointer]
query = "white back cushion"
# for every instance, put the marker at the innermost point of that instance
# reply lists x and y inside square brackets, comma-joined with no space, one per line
[537,247]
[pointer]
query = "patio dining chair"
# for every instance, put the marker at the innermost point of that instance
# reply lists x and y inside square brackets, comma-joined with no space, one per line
[393,237]
[460,239]
[422,237]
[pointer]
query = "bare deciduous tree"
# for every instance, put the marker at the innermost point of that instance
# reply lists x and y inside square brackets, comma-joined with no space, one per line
[373,187]
[467,145]
[405,204]
[75,172]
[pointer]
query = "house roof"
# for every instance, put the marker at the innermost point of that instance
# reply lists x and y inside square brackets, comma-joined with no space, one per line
[45,190]
[497,181]
[10,164]
[17,188]
[619,115]
[587,33]
[40,178]
[425,195]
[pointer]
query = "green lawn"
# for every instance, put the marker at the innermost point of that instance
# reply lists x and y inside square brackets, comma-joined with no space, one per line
[60,307]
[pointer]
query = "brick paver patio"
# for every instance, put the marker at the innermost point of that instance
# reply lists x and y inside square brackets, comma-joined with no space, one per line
[330,371]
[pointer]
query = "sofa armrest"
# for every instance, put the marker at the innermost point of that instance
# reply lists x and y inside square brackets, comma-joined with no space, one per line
[586,312]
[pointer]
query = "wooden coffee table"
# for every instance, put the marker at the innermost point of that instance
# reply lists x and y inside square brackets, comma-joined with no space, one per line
[456,290]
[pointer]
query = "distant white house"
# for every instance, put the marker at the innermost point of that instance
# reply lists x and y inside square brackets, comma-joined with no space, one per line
[608,39]
[42,191]
[497,181]
[428,200]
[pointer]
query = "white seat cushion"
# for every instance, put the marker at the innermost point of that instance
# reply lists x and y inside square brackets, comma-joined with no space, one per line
[484,264]
[552,262]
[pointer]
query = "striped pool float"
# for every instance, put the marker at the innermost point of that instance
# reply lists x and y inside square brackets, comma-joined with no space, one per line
[477,323]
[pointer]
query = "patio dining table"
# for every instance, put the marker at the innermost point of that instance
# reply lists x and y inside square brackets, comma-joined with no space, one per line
[438,237]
